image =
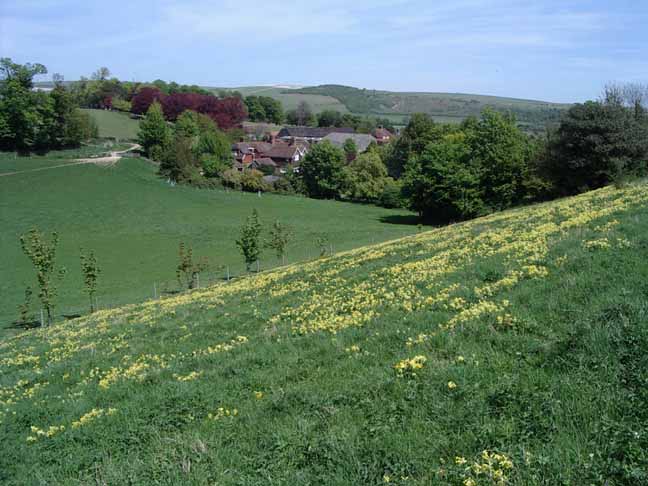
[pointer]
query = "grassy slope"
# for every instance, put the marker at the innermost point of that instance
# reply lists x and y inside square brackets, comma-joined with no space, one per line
[290,100]
[113,124]
[11,162]
[134,221]
[538,316]
[397,106]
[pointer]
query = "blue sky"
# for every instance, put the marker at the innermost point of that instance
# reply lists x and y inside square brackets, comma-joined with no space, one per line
[545,49]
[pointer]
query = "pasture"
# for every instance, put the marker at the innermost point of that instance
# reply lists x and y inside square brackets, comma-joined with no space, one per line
[135,221]
[115,124]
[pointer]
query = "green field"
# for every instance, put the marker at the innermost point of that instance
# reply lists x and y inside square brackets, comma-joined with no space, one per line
[114,124]
[11,162]
[135,222]
[397,106]
[510,350]
[290,99]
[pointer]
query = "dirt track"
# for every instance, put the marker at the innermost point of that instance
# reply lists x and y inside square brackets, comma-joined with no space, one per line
[112,159]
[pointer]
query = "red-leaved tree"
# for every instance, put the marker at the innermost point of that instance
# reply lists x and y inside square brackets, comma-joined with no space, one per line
[145,98]
[227,112]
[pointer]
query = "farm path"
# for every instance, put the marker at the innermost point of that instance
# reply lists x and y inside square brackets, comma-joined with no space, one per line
[102,161]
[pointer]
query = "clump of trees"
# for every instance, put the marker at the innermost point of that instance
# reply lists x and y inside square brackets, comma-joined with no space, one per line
[600,142]
[190,150]
[361,124]
[264,109]
[330,172]
[478,167]
[36,121]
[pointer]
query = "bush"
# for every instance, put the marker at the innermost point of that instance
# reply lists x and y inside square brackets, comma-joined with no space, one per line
[391,196]
[232,178]
[252,181]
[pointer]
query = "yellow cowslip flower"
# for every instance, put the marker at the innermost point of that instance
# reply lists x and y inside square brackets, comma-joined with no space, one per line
[460,460]
[409,366]
[469,482]
[258,395]
[452,385]
[386,478]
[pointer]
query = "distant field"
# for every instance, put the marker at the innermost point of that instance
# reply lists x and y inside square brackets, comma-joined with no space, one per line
[113,124]
[135,221]
[398,106]
[290,100]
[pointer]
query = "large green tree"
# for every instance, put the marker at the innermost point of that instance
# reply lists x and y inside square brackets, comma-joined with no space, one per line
[499,149]
[420,131]
[154,135]
[322,170]
[366,177]
[442,184]
[597,141]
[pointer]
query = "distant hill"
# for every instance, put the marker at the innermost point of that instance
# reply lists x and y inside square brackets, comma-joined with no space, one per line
[533,115]
[449,107]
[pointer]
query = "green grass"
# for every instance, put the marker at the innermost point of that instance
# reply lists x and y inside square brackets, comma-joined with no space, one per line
[135,221]
[114,124]
[290,99]
[536,318]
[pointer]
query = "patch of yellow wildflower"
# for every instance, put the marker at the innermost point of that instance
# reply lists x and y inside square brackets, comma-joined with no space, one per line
[222,413]
[194,375]
[92,415]
[135,371]
[51,431]
[490,468]
[409,367]
[222,347]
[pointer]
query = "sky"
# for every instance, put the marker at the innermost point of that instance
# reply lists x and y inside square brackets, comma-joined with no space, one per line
[553,50]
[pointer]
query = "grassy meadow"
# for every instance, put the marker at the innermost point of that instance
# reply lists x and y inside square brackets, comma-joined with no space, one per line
[114,124]
[290,99]
[509,350]
[134,221]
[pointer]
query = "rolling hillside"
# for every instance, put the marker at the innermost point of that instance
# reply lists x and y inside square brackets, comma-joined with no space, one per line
[291,98]
[397,106]
[509,350]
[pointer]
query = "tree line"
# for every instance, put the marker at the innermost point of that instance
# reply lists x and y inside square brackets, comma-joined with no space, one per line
[37,121]
[448,172]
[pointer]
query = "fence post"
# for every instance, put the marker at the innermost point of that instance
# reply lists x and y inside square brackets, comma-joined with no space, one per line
[331,248]
[42,320]
[257,266]
[228,274]
[198,280]
[154,290]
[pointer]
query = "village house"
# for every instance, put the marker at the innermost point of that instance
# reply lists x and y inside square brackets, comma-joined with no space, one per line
[268,157]
[382,135]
